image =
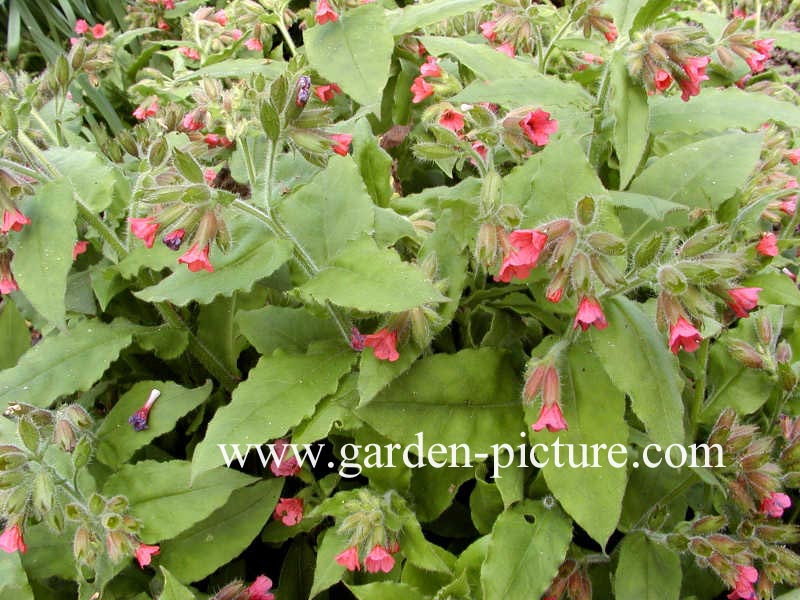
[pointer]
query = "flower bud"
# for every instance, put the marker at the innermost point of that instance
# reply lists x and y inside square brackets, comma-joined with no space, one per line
[745,354]
[787,376]
[647,251]
[96,504]
[491,193]
[11,458]
[533,382]
[709,524]
[725,545]
[62,72]
[783,353]
[64,435]
[672,280]
[55,519]
[112,521]
[606,271]
[580,273]
[555,290]
[158,152]
[42,493]
[764,329]
[778,534]
[557,228]
[700,547]
[564,248]
[78,54]
[509,216]
[606,243]
[677,541]
[81,544]
[726,58]
[704,240]
[551,387]
[585,210]
[117,546]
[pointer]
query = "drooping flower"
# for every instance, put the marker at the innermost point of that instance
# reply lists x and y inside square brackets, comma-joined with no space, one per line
[430,68]
[589,59]
[79,248]
[527,246]
[7,282]
[197,259]
[481,149]
[611,33]
[538,126]
[662,80]
[260,589]
[695,70]
[794,156]
[452,120]
[507,49]
[214,140]
[289,511]
[357,339]
[81,26]
[142,111]
[209,175]
[589,313]
[551,417]
[774,504]
[684,335]
[285,466]
[163,25]
[11,540]
[788,207]
[254,44]
[422,89]
[743,300]
[221,18]
[13,220]
[174,239]
[236,34]
[379,559]
[145,229]
[99,31]
[762,53]
[325,13]
[327,92]
[145,553]
[341,143]
[768,245]
[487,30]
[191,53]
[193,120]
[349,559]
[745,579]
[139,419]
[383,344]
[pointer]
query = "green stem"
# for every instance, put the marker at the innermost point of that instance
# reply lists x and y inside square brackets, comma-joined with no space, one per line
[551,45]
[664,500]
[21,169]
[100,227]
[285,33]
[700,386]
[35,114]
[600,102]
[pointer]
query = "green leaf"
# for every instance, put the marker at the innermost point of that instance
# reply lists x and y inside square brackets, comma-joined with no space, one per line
[290,329]
[355,52]
[252,258]
[332,210]
[419,551]
[386,590]
[788,40]
[648,13]
[524,557]
[631,128]
[328,572]
[647,570]
[720,110]
[485,504]
[374,163]
[91,177]
[118,440]
[595,412]
[43,249]
[221,537]
[485,61]
[636,357]
[280,391]
[652,206]
[14,333]
[235,68]
[62,364]
[371,279]
[776,288]
[415,16]
[375,374]
[164,499]
[528,90]
[733,385]
[703,174]
[156,258]
[174,589]
[470,397]
[13,580]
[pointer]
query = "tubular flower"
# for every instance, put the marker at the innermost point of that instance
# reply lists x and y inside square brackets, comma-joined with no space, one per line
[325,13]
[341,143]
[145,229]
[695,70]
[289,511]
[349,559]
[383,344]
[589,313]
[379,559]
[743,587]
[774,504]
[260,589]
[430,68]
[743,300]
[14,220]
[197,259]
[684,335]
[538,126]
[327,92]
[145,553]
[422,89]
[139,419]
[768,245]
[11,540]
[551,417]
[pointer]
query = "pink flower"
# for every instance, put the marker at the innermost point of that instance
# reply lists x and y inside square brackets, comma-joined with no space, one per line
[756,61]
[349,559]
[452,120]
[789,206]
[764,46]
[379,559]
[481,149]
[214,140]
[430,68]
[81,26]
[144,554]
[662,80]
[99,31]
[683,335]
[589,59]
[139,419]
[289,511]
[209,175]
[551,417]
[13,220]
[611,33]
[11,540]
[327,92]
[7,283]
[383,344]
[163,25]
[774,504]
[794,156]
[192,121]
[191,53]
[142,111]
[259,589]
[589,313]
[236,34]
[254,44]
[168,4]
[554,294]
[422,89]
[528,245]
[695,69]
[538,126]
[174,239]
[341,143]
[487,30]
[507,49]
[357,339]
[325,13]
[221,18]
[197,259]
[79,248]
[145,229]
[743,300]
[768,245]
[745,579]
[285,466]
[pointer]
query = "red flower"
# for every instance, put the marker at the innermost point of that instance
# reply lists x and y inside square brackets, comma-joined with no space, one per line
[214,140]
[662,80]
[554,294]
[254,44]
[684,335]
[551,417]
[145,229]
[11,540]
[81,26]
[99,31]
[538,126]
[487,30]
[144,554]
[379,559]
[422,89]
[452,120]
[743,300]
[163,25]
[481,149]
[589,313]
[349,559]
[289,511]
[221,18]
[430,68]
[768,245]
[209,175]
[139,419]
[774,504]
[325,13]
[611,33]
[197,259]
[383,344]
[285,466]
[174,239]
[192,121]
[259,589]
[236,34]
[507,49]
[79,248]
[789,206]
[142,111]
[794,156]
[327,92]
[695,69]
[745,579]
[13,219]
[528,245]
[7,283]
[341,143]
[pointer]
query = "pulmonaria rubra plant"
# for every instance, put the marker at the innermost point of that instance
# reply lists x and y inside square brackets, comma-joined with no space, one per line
[436,300]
